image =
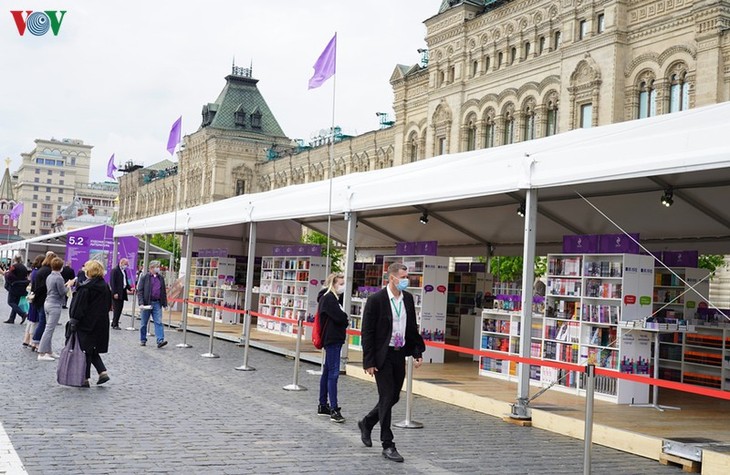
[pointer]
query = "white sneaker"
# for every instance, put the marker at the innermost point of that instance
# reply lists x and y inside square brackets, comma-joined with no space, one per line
[55,356]
[45,358]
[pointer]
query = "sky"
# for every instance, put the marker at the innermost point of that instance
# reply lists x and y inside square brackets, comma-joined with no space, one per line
[119,73]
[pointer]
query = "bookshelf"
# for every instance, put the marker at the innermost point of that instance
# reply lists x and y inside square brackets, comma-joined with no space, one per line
[208,277]
[373,275]
[501,332]
[429,277]
[357,305]
[289,288]
[588,297]
[466,292]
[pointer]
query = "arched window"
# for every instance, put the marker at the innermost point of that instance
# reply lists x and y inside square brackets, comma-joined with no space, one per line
[512,56]
[441,78]
[500,58]
[527,49]
[529,115]
[541,45]
[509,128]
[239,116]
[557,39]
[551,125]
[487,63]
[678,92]
[471,136]
[489,132]
[647,99]
[474,68]
[413,147]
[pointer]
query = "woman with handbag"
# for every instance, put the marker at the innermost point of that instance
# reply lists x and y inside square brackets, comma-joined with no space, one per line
[56,290]
[89,319]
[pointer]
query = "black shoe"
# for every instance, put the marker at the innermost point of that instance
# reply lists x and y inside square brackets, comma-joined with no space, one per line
[392,454]
[9,321]
[142,343]
[86,384]
[336,416]
[365,433]
[324,410]
[103,378]
[116,328]
[22,319]
[161,344]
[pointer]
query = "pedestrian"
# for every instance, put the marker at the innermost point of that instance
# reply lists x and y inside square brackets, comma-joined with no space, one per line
[333,321]
[120,285]
[389,335]
[152,298]
[68,275]
[39,290]
[56,290]
[32,324]
[16,283]
[89,318]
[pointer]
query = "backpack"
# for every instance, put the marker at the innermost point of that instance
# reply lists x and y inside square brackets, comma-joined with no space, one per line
[317,332]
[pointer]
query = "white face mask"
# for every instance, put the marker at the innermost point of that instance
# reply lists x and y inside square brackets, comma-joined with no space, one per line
[340,289]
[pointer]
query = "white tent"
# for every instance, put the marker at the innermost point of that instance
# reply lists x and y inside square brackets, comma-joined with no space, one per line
[472,197]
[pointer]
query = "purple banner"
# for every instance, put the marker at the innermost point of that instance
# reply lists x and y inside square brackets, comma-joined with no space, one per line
[619,244]
[681,258]
[580,244]
[97,243]
[309,250]
[420,248]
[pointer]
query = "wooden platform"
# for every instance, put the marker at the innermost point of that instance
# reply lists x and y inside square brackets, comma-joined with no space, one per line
[632,429]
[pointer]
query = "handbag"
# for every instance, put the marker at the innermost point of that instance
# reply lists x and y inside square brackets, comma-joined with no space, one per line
[23,304]
[30,297]
[71,369]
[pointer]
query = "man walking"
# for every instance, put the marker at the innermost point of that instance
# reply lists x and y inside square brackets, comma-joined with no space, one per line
[120,285]
[152,298]
[389,334]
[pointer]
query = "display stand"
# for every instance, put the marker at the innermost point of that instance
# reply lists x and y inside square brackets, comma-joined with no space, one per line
[208,275]
[469,287]
[655,389]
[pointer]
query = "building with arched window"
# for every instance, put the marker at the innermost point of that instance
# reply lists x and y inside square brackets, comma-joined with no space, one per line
[494,73]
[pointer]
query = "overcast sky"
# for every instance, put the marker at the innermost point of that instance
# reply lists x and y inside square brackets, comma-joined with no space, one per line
[119,73]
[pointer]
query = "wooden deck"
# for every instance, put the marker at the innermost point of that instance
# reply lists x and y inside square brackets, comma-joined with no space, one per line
[632,429]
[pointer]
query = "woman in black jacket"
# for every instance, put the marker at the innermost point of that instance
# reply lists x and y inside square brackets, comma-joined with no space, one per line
[40,291]
[333,321]
[89,318]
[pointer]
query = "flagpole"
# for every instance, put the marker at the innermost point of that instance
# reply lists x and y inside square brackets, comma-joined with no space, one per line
[174,230]
[331,163]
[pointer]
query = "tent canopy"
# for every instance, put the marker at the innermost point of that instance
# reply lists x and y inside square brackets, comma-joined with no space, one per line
[472,197]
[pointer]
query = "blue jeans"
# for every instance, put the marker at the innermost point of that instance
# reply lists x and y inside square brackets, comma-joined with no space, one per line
[156,318]
[41,324]
[330,375]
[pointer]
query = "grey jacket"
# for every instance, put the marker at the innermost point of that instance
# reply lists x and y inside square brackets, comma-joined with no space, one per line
[56,289]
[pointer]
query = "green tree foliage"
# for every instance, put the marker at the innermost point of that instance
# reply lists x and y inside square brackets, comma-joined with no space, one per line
[509,268]
[335,254]
[167,242]
[711,262]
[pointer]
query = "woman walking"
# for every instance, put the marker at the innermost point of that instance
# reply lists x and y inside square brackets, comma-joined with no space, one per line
[39,290]
[55,293]
[333,322]
[31,326]
[89,318]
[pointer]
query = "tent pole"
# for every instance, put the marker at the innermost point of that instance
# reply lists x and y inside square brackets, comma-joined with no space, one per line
[189,236]
[520,409]
[247,304]
[146,256]
[351,218]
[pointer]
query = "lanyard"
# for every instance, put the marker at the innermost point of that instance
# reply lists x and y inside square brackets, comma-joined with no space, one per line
[397,309]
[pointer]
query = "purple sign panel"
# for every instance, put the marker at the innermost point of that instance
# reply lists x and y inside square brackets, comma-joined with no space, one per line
[309,250]
[581,244]
[420,248]
[97,243]
[619,244]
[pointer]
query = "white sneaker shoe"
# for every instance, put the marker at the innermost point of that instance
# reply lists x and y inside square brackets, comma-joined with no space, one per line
[45,358]
[55,356]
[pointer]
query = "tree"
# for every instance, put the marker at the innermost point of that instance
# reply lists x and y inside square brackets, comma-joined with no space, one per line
[335,254]
[509,268]
[167,242]
[711,262]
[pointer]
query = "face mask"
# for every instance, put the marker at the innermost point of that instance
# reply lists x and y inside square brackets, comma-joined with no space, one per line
[340,289]
[154,270]
[123,267]
[402,284]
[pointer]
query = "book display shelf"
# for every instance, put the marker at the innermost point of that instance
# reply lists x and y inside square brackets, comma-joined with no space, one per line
[468,287]
[588,297]
[428,276]
[357,305]
[501,331]
[289,288]
[208,278]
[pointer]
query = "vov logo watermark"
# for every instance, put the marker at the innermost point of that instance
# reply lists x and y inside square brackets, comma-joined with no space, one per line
[38,23]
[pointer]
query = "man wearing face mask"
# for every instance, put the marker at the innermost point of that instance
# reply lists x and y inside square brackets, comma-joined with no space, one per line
[333,323]
[389,334]
[152,296]
[119,283]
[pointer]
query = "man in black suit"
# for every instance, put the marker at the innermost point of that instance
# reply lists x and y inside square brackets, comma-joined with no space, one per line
[119,284]
[389,334]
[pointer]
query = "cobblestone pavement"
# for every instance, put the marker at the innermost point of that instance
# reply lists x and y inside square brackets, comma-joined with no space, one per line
[170,411]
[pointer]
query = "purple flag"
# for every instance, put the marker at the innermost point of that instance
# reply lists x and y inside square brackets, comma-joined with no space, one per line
[324,68]
[174,138]
[111,168]
[16,211]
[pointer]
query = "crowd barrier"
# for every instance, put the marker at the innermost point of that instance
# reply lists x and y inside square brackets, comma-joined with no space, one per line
[590,370]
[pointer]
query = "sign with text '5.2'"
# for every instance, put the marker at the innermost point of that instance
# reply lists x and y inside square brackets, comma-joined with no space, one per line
[97,244]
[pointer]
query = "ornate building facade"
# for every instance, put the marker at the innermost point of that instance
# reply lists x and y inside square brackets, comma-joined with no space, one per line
[498,72]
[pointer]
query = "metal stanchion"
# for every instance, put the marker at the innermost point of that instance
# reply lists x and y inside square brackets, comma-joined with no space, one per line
[184,343]
[210,353]
[588,432]
[295,385]
[408,423]
[134,307]
[247,344]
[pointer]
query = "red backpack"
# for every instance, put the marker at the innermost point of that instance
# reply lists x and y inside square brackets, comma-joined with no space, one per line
[317,332]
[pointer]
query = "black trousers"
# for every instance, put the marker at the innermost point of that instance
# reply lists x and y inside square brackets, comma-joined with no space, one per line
[93,358]
[389,380]
[117,305]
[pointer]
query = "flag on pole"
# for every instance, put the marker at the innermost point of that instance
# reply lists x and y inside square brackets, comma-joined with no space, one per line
[111,168]
[324,68]
[16,211]
[174,138]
